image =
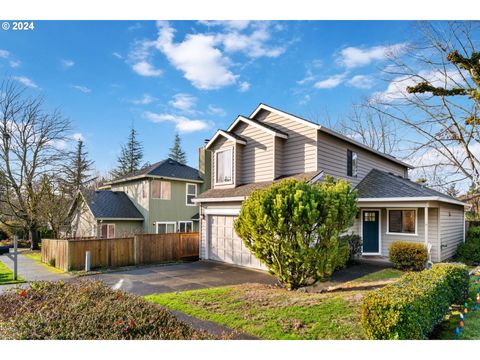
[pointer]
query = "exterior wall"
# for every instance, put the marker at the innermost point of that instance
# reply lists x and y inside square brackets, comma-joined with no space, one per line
[300,149]
[123,228]
[387,239]
[134,191]
[221,144]
[332,158]
[452,229]
[83,220]
[257,155]
[205,168]
[174,209]
[278,162]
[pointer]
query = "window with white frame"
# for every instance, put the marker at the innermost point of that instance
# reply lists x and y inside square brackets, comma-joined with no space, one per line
[166,227]
[402,221]
[352,163]
[161,190]
[191,193]
[108,231]
[185,226]
[223,166]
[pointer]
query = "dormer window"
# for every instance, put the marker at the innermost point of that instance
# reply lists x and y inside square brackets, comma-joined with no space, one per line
[223,166]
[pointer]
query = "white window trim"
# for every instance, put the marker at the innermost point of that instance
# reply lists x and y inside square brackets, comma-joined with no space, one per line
[230,148]
[107,225]
[401,233]
[174,223]
[185,222]
[161,181]
[186,194]
[354,169]
[379,231]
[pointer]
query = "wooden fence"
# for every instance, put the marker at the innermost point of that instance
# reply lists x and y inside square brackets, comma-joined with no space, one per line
[141,249]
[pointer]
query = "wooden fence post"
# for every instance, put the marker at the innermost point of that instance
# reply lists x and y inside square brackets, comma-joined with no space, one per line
[69,257]
[135,249]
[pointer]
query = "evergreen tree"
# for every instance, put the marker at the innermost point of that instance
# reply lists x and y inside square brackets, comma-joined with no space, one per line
[130,157]
[176,152]
[78,170]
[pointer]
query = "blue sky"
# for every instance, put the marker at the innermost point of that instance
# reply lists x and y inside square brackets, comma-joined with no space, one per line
[194,77]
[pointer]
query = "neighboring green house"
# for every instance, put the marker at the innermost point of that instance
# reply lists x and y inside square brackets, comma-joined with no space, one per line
[157,199]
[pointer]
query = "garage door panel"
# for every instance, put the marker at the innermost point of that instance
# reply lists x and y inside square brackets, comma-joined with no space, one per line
[226,246]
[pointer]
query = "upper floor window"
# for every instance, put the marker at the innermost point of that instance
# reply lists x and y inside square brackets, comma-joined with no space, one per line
[402,221]
[352,163]
[161,190]
[223,166]
[191,193]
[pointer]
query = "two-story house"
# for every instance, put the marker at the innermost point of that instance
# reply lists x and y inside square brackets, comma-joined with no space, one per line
[270,145]
[157,199]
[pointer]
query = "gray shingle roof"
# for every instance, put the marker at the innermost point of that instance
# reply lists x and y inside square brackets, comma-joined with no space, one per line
[247,189]
[167,168]
[106,204]
[380,184]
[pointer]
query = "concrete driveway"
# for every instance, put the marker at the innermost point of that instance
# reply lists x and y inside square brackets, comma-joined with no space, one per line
[157,279]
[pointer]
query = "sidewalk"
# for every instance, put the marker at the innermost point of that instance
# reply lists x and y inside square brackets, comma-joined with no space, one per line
[32,270]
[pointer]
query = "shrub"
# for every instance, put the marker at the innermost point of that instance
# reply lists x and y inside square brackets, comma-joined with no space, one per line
[408,256]
[469,252]
[413,306]
[355,246]
[85,310]
[293,228]
[343,253]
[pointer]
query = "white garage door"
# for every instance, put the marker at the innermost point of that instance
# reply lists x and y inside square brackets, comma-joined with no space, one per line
[226,246]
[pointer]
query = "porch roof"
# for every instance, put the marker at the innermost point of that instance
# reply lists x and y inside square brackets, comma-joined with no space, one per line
[381,186]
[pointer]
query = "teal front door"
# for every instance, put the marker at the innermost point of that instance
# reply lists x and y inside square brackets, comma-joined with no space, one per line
[370,233]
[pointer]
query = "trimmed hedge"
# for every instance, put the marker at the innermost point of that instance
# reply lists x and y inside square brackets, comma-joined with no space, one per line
[469,252]
[411,307]
[408,256]
[85,310]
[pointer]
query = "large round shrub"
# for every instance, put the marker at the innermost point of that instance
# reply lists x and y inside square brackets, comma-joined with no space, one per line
[293,227]
[469,252]
[408,256]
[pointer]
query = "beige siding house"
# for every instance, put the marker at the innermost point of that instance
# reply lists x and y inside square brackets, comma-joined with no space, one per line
[271,144]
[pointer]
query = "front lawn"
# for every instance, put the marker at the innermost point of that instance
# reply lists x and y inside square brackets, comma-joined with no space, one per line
[272,313]
[6,275]
[385,274]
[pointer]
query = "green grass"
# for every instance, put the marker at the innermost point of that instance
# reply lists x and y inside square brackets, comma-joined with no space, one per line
[384,274]
[272,313]
[471,331]
[6,275]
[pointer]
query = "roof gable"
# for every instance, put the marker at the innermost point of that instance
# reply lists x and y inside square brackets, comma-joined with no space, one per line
[229,135]
[262,126]
[106,204]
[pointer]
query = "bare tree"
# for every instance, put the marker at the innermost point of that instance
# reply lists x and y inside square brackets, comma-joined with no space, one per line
[370,127]
[31,142]
[434,93]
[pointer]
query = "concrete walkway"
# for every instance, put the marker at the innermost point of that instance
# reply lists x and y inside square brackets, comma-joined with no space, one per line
[32,270]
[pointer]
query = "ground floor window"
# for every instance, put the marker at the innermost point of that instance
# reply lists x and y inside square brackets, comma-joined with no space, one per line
[108,231]
[166,227]
[402,221]
[185,226]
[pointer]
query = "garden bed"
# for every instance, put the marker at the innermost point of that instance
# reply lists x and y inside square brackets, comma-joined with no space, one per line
[85,310]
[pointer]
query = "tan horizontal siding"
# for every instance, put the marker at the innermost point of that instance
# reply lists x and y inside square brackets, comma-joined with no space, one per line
[299,150]
[332,158]
[452,229]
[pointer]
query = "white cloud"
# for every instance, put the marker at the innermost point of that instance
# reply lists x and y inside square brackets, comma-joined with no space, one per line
[183,102]
[331,82]
[305,99]
[146,69]
[352,57]
[78,137]
[144,100]
[135,26]
[67,63]
[244,86]
[117,55]
[4,54]
[197,57]
[215,110]
[361,81]
[231,24]
[25,81]
[82,88]
[182,123]
[14,63]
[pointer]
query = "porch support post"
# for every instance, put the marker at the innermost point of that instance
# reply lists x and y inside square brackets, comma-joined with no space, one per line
[426,225]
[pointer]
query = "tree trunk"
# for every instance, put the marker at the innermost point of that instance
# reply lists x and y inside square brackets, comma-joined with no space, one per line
[34,238]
